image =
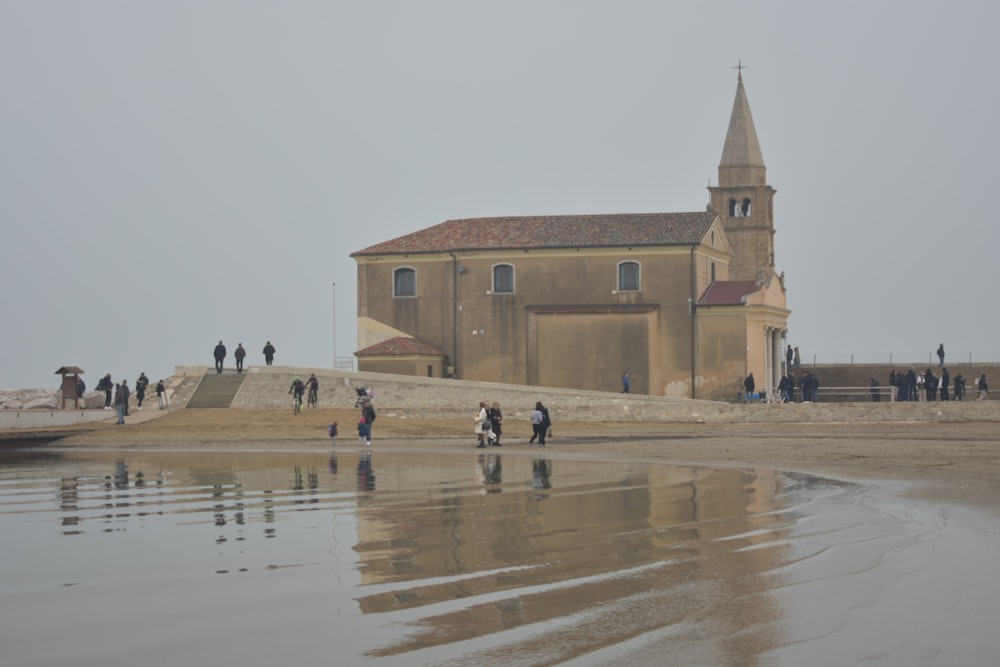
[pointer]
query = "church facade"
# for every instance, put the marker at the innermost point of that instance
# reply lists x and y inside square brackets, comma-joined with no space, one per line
[686,303]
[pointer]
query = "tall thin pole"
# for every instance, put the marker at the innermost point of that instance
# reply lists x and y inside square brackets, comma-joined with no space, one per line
[334,325]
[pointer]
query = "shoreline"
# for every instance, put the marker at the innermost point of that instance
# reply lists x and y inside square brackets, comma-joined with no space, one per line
[954,462]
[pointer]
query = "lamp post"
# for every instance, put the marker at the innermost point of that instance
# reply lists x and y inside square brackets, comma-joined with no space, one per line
[334,325]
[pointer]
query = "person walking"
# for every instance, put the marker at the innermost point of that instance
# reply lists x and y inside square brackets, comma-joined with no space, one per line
[120,403]
[332,432]
[496,417]
[107,386]
[239,354]
[161,395]
[983,387]
[940,354]
[140,390]
[220,354]
[482,421]
[538,425]
[959,388]
[363,435]
[626,383]
[125,390]
[368,414]
[748,387]
[873,391]
[268,353]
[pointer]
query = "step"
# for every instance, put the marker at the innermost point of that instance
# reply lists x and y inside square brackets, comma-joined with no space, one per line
[217,390]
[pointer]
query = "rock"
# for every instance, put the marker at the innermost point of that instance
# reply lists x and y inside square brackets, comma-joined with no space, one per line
[44,402]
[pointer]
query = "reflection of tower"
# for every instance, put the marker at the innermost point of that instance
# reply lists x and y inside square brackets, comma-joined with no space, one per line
[366,476]
[541,470]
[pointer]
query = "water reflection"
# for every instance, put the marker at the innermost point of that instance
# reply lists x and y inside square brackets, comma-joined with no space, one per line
[490,473]
[366,475]
[423,563]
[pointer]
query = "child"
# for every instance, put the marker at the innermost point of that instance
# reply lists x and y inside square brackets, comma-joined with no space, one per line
[332,430]
[363,433]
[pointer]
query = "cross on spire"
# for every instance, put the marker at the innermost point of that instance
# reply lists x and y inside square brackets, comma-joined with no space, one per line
[740,66]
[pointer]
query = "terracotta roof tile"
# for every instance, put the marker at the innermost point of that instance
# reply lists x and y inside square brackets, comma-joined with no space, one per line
[400,347]
[727,292]
[551,231]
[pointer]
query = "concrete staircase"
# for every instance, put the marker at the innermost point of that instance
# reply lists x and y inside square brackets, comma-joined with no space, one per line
[216,391]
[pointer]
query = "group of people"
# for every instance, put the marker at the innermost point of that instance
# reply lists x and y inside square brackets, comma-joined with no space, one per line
[488,422]
[912,386]
[299,387]
[807,385]
[240,354]
[792,358]
[364,425]
[118,394]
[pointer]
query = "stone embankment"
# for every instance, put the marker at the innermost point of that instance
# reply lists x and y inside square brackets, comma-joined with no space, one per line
[434,398]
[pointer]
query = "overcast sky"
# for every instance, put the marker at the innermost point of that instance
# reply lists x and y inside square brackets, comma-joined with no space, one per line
[175,173]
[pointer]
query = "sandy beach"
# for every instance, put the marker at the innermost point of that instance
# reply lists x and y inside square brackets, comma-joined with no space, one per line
[898,567]
[949,461]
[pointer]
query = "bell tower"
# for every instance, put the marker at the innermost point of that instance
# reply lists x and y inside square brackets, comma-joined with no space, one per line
[743,199]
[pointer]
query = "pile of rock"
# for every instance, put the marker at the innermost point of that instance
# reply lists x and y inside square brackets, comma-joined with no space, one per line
[44,399]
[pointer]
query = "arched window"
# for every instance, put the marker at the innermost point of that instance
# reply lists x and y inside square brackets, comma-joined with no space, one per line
[734,209]
[746,208]
[503,279]
[628,277]
[404,282]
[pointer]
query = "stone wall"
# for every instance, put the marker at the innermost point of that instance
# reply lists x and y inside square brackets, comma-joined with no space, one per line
[406,396]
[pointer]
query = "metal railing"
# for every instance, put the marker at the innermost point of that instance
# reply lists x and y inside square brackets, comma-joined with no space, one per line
[890,358]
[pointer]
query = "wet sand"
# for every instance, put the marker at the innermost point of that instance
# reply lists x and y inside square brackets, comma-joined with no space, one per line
[948,461]
[903,570]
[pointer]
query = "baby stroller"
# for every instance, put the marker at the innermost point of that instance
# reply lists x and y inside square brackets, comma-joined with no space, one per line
[364,396]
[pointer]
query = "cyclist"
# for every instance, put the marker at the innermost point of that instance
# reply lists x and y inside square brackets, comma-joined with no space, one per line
[313,384]
[296,390]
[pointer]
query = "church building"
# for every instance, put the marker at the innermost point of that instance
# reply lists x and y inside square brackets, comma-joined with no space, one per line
[686,303]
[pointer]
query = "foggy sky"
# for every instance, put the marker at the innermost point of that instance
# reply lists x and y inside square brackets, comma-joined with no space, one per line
[175,173]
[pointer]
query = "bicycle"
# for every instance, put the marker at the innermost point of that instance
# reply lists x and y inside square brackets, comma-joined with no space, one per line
[313,399]
[297,403]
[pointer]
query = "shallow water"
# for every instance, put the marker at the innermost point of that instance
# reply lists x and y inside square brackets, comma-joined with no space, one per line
[391,557]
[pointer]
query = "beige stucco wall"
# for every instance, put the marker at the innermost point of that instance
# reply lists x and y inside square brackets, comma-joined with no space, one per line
[551,330]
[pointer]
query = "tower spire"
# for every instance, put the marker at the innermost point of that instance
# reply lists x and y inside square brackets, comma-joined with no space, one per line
[743,199]
[742,162]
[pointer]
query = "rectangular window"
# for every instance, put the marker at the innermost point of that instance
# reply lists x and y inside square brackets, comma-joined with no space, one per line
[628,277]
[503,279]
[404,282]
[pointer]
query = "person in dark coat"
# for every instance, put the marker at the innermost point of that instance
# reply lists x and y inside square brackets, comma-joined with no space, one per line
[107,386]
[120,399]
[748,386]
[940,354]
[140,390]
[239,354]
[944,383]
[268,353]
[220,354]
[496,417]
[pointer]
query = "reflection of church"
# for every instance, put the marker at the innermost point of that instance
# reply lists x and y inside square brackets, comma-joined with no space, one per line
[686,303]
